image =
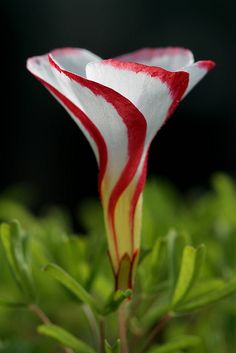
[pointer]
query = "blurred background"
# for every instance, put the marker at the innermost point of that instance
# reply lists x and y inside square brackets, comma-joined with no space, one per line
[41,147]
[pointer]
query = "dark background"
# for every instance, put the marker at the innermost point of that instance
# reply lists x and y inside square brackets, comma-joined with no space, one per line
[41,146]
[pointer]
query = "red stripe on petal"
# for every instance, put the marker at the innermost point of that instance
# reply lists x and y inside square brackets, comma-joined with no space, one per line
[136,139]
[178,86]
[137,192]
[153,71]
[177,81]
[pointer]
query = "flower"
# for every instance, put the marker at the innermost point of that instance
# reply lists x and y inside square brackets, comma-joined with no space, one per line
[120,104]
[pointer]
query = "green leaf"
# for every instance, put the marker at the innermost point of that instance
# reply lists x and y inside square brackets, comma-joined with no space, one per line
[71,284]
[180,343]
[158,309]
[157,255]
[153,263]
[98,258]
[211,297]
[175,244]
[117,298]
[204,288]
[191,263]
[112,349]
[12,209]
[65,338]
[11,236]
[144,252]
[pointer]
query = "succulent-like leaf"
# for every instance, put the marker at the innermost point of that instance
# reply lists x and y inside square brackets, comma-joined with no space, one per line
[11,235]
[175,244]
[65,338]
[71,284]
[190,267]
[229,288]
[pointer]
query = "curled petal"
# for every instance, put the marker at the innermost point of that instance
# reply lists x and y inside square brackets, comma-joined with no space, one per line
[115,129]
[120,105]
[153,90]
[74,59]
[170,58]
[156,93]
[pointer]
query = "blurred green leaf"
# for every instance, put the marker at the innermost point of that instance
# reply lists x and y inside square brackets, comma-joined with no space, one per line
[153,262]
[175,245]
[162,204]
[155,312]
[11,235]
[201,215]
[10,209]
[224,291]
[157,255]
[72,285]
[190,267]
[97,259]
[204,287]
[91,216]
[112,349]
[65,338]
[183,342]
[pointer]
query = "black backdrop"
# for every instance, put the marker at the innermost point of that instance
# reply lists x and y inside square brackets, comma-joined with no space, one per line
[41,146]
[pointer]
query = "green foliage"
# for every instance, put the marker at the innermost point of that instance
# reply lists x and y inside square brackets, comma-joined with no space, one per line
[12,240]
[72,285]
[179,343]
[112,349]
[191,264]
[209,297]
[65,338]
[49,271]
[117,298]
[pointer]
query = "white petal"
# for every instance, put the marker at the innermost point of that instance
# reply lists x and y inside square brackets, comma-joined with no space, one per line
[170,58]
[152,90]
[121,128]
[74,59]
[39,67]
[100,105]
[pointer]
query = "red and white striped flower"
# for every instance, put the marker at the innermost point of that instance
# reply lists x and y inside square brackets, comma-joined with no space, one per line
[120,104]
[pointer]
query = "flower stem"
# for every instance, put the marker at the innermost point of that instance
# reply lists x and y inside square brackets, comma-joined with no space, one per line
[45,320]
[40,314]
[122,326]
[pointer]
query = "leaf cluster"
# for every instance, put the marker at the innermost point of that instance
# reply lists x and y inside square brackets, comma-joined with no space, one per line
[187,265]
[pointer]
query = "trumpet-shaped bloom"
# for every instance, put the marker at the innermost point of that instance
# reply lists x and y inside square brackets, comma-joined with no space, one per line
[120,104]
